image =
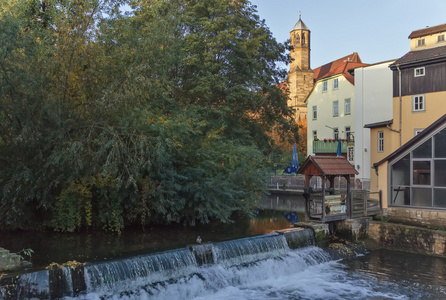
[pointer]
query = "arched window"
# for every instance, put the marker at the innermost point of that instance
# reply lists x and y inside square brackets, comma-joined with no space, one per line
[297,38]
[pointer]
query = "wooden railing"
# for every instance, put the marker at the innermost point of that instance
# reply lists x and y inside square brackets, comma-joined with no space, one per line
[365,204]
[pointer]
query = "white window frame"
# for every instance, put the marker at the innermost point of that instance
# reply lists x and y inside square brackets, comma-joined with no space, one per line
[421,42]
[315,112]
[418,103]
[336,133]
[324,86]
[314,134]
[335,83]
[418,72]
[381,141]
[348,131]
[440,38]
[347,106]
[417,131]
[336,108]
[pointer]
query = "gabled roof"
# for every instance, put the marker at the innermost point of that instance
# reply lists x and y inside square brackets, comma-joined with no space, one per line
[427,31]
[417,56]
[423,134]
[327,165]
[322,71]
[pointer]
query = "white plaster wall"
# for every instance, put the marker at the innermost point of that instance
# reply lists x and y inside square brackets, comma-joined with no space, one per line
[373,104]
[324,103]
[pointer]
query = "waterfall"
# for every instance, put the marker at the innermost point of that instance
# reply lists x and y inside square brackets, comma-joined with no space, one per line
[205,264]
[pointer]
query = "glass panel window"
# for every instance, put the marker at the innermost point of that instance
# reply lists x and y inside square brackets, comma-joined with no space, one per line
[401,195]
[424,150]
[440,198]
[314,112]
[335,108]
[440,173]
[440,38]
[419,72]
[335,84]
[421,172]
[380,141]
[421,42]
[421,197]
[440,144]
[418,103]
[325,86]
[401,171]
[336,133]
[347,106]
[314,134]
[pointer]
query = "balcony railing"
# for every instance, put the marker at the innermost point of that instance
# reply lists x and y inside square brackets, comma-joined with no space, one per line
[322,146]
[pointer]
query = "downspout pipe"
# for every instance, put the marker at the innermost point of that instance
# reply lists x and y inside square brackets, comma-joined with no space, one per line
[399,94]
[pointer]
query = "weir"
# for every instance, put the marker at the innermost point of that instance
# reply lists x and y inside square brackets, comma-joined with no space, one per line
[152,269]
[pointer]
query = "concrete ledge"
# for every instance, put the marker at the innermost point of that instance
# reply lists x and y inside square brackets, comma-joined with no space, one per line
[416,216]
[408,238]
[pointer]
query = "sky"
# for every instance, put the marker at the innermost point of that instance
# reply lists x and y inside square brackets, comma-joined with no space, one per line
[378,30]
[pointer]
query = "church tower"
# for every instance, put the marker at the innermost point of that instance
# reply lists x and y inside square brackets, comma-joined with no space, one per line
[300,76]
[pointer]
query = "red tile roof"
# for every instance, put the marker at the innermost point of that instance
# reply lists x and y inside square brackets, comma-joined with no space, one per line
[330,68]
[327,165]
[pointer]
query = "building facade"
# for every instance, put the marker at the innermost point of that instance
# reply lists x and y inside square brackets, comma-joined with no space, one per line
[373,105]
[331,108]
[409,164]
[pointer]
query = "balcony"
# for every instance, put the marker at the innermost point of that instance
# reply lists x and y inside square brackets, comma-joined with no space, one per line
[323,147]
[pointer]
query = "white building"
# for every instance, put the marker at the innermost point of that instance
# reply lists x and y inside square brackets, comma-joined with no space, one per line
[373,105]
[330,107]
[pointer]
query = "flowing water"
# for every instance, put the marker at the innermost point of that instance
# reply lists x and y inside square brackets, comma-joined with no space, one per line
[246,260]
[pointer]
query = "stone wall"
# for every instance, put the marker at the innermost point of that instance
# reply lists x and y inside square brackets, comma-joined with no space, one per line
[433,219]
[8,261]
[408,238]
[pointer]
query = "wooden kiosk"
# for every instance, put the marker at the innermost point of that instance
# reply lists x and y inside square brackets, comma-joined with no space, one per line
[325,206]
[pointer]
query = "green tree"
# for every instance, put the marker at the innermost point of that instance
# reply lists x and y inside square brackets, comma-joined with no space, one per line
[158,115]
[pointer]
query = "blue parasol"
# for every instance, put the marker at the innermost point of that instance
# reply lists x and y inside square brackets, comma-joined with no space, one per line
[292,169]
[339,151]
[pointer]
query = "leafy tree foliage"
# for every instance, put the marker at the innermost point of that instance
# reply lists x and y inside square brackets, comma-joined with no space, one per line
[159,114]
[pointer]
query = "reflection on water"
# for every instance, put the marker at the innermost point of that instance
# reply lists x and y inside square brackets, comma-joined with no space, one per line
[96,246]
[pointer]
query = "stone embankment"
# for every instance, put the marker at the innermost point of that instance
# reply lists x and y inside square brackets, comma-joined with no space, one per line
[9,261]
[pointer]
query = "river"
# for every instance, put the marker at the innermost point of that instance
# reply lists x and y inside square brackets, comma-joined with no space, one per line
[282,273]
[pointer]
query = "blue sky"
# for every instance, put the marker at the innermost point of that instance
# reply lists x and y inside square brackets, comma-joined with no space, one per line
[376,29]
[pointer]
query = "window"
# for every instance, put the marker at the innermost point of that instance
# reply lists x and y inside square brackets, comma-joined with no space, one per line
[347,132]
[440,38]
[335,108]
[380,141]
[418,103]
[347,106]
[335,84]
[419,178]
[336,133]
[314,134]
[351,154]
[314,112]
[325,86]
[421,42]
[419,72]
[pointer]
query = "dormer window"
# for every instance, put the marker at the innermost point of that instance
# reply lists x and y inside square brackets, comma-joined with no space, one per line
[419,72]
[440,38]
[421,42]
